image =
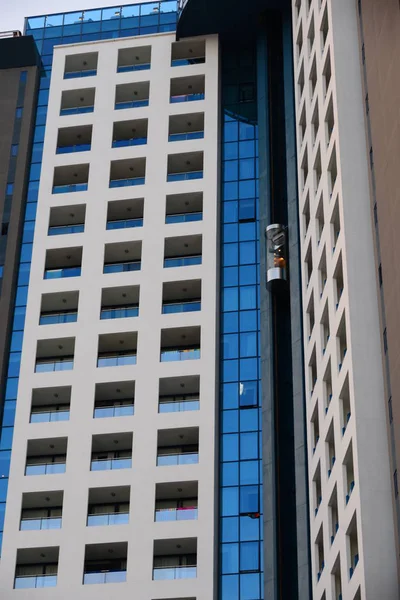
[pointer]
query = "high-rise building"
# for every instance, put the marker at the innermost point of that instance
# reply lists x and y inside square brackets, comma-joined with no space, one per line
[198,348]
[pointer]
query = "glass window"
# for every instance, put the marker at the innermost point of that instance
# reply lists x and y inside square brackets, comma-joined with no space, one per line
[230,276]
[249,499]
[9,413]
[250,529]
[230,232]
[6,438]
[35,22]
[230,370]
[230,448]
[35,171]
[9,189]
[248,297]
[249,586]
[53,32]
[43,97]
[230,255]
[231,131]
[73,18]
[230,421]
[247,253]
[21,297]
[129,17]
[249,469]
[230,346]
[230,472]
[14,150]
[16,341]
[248,368]
[5,458]
[230,558]
[248,446]
[230,587]
[248,344]
[19,317]
[231,170]
[3,489]
[247,209]
[54,20]
[230,529]
[230,191]
[246,168]
[26,252]
[29,229]
[248,320]
[248,393]
[230,393]
[229,501]
[230,151]
[249,556]
[230,322]
[39,134]
[230,212]
[37,152]
[18,113]
[247,231]
[14,364]
[11,389]
[230,299]
[247,188]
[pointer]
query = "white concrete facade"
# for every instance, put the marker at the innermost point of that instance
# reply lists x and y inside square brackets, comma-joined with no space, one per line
[352,538]
[146,422]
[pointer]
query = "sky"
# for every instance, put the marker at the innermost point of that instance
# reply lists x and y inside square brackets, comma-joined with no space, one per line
[12,12]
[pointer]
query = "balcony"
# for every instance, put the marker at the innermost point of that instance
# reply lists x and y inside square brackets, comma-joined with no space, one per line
[108,506]
[111,452]
[176,501]
[179,394]
[186,53]
[178,447]
[185,167]
[59,308]
[125,214]
[184,208]
[71,178]
[50,405]
[130,133]
[183,251]
[132,95]
[116,399]
[175,559]
[41,511]
[186,127]
[76,102]
[105,563]
[74,139]
[36,568]
[46,456]
[187,89]
[120,302]
[67,219]
[128,172]
[134,59]
[122,257]
[179,344]
[181,297]
[55,355]
[80,65]
[117,349]
[63,262]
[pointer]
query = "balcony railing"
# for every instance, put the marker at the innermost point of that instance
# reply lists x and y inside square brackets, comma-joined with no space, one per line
[187,175]
[108,519]
[124,410]
[62,272]
[188,513]
[184,458]
[172,354]
[110,464]
[76,110]
[35,581]
[136,67]
[119,312]
[64,229]
[104,577]
[68,316]
[122,267]
[48,365]
[183,62]
[186,97]
[74,148]
[115,183]
[44,523]
[190,135]
[182,261]
[139,141]
[184,217]
[116,359]
[50,416]
[174,573]
[124,223]
[131,104]
[45,469]
[179,406]
[71,187]
[82,73]
[181,307]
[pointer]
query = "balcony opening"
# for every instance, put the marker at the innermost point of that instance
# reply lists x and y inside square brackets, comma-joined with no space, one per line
[122,257]
[184,208]
[181,296]
[338,281]
[179,394]
[352,543]
[192,52]
[322,273]
[312,366]
[180,343]
[46,456]
[332,173]
[36,568]
[313,80]
[304,170]
[134,59]
[117,349]
[130,133]
[317,171]
[81,65]
[311,317]
[187,89]
[50,405]
[178,447]
[333,515]
[315,124]
[125,214]
[131,171]
[317,489]
[348,464]
[186,127]
[325,328]
[330,448]
[114,399]
[341,341]
[70,178]
[63,262]
[319,547]
[175,559]
[132,95]
[320,219]
[108,506]
[76,102]
[111,452]
[328,387]
[311,37]
[105,563]
[55,355]
[67,219]
[335,226]
[177,501]
[120,302]
[74,139]
[306,215]
[329,122]
[324,29]
[183,251]
[327,74]
[58,308]
[314,429]
[41,511]
[184,167]
[344,403]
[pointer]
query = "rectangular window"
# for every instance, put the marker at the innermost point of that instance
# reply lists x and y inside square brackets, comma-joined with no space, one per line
[14,150]
[18,113]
